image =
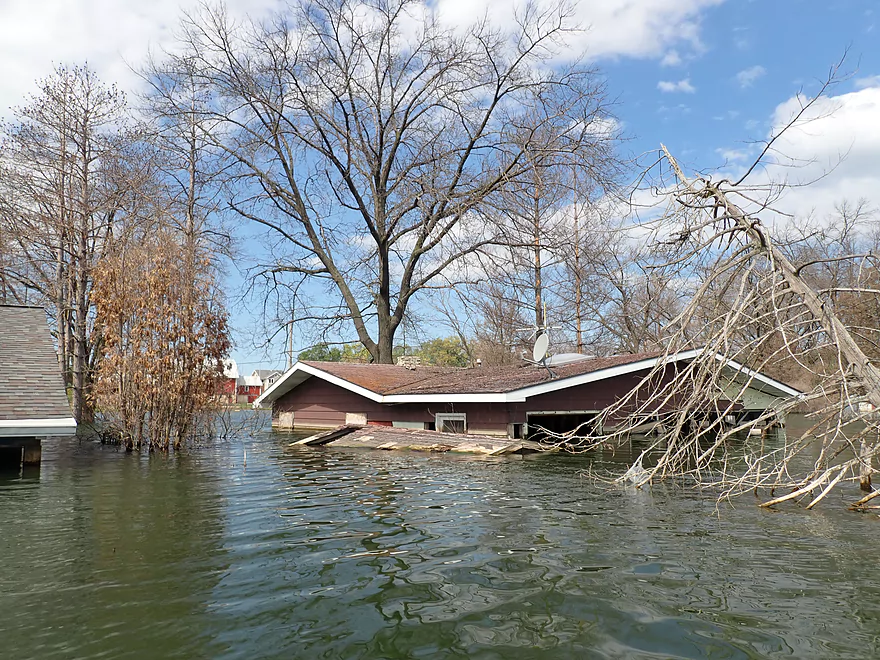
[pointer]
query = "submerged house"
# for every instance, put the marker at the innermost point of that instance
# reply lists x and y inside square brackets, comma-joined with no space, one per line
[33,400]
[510,401]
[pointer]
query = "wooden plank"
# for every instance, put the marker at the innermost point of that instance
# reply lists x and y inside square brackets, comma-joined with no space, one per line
[521,447]
[389,438]
[326,436]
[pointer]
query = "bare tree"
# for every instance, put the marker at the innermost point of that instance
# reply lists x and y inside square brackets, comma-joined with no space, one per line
[632,299]
[772,313]
[369,139]
[807,300]
[67,167]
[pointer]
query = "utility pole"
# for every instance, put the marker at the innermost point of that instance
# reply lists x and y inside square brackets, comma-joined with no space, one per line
[290,334]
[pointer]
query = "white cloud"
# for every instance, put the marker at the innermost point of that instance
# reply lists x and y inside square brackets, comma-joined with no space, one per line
[672,58]
[113,34]
[730,114]
[680,86]
[868,81]
[836,152]
[635,28]
[733,155]
[747,77]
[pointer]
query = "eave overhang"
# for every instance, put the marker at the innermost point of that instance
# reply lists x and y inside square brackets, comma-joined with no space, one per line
[42,428]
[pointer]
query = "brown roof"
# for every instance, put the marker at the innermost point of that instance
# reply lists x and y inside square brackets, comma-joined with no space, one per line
[30,382]
[382,378]
[387,379]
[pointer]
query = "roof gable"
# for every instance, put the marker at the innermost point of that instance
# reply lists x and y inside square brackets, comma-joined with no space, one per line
[397,384]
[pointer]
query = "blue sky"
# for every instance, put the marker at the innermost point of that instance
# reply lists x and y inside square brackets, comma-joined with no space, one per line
[705,77]
[752,57]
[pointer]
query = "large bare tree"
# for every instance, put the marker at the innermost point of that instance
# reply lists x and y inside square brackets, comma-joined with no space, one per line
[369,139]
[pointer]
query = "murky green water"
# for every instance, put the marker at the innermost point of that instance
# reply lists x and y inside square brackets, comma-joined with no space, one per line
[322,553]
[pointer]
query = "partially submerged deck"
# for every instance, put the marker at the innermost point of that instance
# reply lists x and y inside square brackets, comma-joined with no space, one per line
[386,437]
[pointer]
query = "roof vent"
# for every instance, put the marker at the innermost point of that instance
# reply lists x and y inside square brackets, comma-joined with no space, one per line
[567,358]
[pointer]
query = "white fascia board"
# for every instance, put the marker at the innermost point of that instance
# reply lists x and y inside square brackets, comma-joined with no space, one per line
[273,392]
[37,427]
[486,397]
[602,374]
[514,396]
[341,382]
[274,386]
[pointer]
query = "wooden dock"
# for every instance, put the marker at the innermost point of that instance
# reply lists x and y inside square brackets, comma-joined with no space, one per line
[390,438]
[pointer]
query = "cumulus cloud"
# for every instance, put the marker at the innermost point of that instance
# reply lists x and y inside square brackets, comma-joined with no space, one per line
[747,77]
[111,35]
[672,58]
[680,86]
[115,34]
[836,151]
[636,28]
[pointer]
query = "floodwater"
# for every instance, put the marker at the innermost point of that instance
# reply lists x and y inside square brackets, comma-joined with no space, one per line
[331,553]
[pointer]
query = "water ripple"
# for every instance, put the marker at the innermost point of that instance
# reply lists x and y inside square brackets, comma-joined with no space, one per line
[322,553]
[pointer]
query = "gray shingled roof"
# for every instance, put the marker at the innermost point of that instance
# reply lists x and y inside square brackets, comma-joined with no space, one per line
[31,386]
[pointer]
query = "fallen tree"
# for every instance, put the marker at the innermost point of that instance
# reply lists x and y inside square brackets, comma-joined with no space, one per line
[753,305]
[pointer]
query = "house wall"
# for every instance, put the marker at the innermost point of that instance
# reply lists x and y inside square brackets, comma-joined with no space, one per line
[588,397]
[317,404]
[751,398]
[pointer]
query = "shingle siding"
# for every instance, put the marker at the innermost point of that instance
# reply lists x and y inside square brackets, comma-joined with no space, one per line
[31,386]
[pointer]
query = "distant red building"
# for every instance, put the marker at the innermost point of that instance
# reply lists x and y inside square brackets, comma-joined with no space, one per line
[237,388]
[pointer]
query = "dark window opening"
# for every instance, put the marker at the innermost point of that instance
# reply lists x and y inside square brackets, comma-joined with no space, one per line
[552,428]
[453,426]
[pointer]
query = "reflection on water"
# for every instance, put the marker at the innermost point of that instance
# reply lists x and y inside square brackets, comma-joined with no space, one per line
[330,553]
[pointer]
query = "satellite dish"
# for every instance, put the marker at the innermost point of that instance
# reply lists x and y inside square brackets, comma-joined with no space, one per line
[542,343]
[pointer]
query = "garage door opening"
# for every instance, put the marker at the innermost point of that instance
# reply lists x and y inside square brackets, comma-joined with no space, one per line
[543,426]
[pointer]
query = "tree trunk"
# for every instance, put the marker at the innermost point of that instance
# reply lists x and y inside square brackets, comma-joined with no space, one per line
[80,337]
[82,264]
[384,352]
